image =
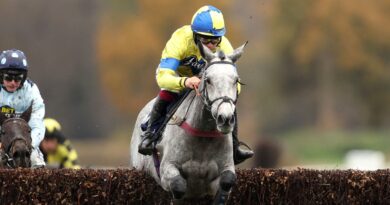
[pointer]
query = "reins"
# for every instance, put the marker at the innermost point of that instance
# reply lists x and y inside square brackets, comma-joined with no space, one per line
[203,93]
[158,132]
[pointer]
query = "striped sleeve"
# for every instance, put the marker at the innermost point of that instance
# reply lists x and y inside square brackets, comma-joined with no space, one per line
[174,50]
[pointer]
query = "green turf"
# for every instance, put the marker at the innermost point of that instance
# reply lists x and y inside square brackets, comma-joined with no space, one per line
[312,146]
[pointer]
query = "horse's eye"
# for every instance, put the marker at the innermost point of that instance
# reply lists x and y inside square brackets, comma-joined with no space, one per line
[208,81]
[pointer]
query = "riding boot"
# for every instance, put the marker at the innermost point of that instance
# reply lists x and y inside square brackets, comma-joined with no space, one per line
[36,158]
[239,155]
[146,145]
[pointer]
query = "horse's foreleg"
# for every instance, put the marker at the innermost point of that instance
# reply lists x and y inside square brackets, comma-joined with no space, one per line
[227,180]
[178,187]
[172,179]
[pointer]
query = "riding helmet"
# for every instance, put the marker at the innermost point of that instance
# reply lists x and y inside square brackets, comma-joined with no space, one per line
[208,21]
[13,62]
[53,129]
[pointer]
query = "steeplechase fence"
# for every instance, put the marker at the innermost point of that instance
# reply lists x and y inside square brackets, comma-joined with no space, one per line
[254,186]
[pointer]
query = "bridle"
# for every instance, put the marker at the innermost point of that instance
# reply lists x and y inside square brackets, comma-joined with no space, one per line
[205,98]
[204,93]
[9,160]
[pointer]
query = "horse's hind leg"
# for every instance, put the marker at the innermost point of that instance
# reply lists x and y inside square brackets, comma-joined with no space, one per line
[227,180]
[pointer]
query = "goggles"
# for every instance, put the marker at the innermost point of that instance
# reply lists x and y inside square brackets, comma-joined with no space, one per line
[213,41]
[16,78]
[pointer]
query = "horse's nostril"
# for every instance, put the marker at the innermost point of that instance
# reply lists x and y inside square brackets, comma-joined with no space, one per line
[232,121]
[220,120]
[21,153]
[16,154]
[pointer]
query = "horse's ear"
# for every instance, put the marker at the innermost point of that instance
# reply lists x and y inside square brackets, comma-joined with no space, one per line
[206,53]
[26,115]
[237,53]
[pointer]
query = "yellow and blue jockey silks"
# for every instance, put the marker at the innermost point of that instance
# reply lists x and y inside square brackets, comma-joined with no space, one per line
[208,21]
[181,58]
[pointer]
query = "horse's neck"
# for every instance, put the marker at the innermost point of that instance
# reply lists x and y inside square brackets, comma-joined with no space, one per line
[199,116]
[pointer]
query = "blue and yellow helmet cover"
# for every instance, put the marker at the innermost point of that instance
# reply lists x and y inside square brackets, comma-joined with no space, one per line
[208,21]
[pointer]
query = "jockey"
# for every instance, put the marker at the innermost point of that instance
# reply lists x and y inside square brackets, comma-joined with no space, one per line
[56,148]
[181,62]
[17,93]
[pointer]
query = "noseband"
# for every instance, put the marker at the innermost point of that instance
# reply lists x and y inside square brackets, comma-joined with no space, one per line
[204,93]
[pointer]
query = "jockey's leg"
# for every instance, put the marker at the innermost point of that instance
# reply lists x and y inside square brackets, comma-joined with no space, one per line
[36,157]
[159,107]
[239,155]
[163,100]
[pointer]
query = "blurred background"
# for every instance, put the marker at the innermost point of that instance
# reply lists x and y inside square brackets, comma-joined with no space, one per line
[317,73]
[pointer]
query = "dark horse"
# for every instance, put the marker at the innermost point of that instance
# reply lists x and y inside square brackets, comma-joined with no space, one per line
[15,140]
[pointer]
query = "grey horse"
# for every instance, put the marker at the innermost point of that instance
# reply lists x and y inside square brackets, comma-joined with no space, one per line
[196,149]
